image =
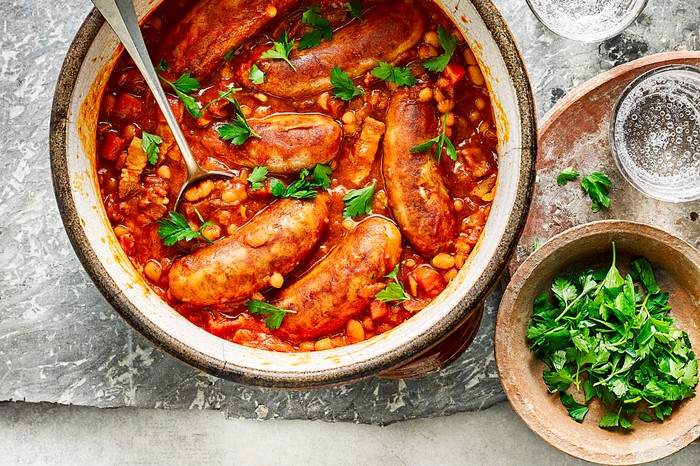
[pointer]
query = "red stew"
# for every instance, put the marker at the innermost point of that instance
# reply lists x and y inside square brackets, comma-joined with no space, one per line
[138,194]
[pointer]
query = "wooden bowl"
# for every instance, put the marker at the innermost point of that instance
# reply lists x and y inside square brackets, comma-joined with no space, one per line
[677,268]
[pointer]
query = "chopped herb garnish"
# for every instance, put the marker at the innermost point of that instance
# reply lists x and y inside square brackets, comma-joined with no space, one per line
[358,202]
[394,74]
[177,228]
[596,186]
[223,95]
[256,178]
[238,131]
[355,9]
[322,175]
[566,175]
[535,244]
[162,66]
[394,291]
[343,87]
[449,45]
[149,144]
[182,87]
[612,337]
[256,75]
[273,314]
[300,189]
[228,56]
[280,50]
[322,28]
[441,140]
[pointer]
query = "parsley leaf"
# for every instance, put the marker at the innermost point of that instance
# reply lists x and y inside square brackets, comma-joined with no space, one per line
[566,175]
[256,178]
[280,50]
[238,131]
[343,87]
[274,315]
[228,56]
[149,144]
[641,271]
[577,411]
[394,74]
[394,291]
[358,202]
[299,189]
[449,45]
[177,228]
[223,95]
[596,186]
[256,75]
[441,140]
[184,85]
[322,175]
[354,9]
[322,28]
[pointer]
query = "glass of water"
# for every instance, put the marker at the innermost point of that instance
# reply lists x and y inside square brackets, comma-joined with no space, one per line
[587,20]
[655,133]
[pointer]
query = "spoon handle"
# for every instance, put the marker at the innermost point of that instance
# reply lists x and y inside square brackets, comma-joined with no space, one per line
[120,15]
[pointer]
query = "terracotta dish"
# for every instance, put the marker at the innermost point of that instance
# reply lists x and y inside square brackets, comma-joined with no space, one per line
[677,268]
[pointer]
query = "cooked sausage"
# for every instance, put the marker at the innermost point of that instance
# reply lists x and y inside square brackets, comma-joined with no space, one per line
[230,270]
[384,35]
[343,284]
[198,43]
[288,143]
[416,192]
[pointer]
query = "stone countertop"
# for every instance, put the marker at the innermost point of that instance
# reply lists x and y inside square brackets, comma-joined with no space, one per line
[60,341]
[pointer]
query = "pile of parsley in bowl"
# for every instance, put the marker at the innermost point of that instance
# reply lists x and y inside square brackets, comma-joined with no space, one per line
[610,337]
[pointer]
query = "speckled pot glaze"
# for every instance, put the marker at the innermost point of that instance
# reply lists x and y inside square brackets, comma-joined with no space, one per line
[677,269]
[458,309]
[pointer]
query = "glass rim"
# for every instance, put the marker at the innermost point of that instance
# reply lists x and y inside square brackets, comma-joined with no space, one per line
[613,140]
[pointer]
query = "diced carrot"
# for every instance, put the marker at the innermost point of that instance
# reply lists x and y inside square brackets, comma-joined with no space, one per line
[429,280]
[453,72]
[378,310]
[112,147]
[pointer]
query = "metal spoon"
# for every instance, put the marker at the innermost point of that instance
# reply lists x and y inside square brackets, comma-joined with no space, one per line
[120,15]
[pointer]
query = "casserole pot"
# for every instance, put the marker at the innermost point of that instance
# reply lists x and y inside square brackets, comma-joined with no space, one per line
[429,340]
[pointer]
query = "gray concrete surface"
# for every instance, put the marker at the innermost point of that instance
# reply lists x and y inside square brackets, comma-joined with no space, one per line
[67,435]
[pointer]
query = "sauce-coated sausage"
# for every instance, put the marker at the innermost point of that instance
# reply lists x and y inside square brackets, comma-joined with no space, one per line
[343,284]
[384,35]
[198,43]
[288,143]
[230,270]
[416,192]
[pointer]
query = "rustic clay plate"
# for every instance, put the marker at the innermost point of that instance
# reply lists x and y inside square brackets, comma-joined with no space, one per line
[677,268]
[575,133]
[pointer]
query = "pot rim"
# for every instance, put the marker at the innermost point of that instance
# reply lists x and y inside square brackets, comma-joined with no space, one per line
[519,80]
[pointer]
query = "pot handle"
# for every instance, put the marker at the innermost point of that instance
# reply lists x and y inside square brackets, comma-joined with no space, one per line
[442,353]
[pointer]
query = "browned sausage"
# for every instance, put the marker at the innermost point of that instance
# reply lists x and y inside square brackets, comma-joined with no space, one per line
[386,33]
[416,192]
[342,284]
[288,143]
[211,28]
[230,270]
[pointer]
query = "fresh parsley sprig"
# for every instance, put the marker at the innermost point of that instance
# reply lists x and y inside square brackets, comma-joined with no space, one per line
[343,87]
[441,140]
[394,291]
[238,131]
[149,144]
[355,9]
[449,45]
[274,315]
[256,178]
[177,229]
[280,50]
[322,30]
[612,337]
[182,87]
[394,74]
[566,175]
[256,75]
[358,202]
[596,186]
[302,188]
[223,95]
